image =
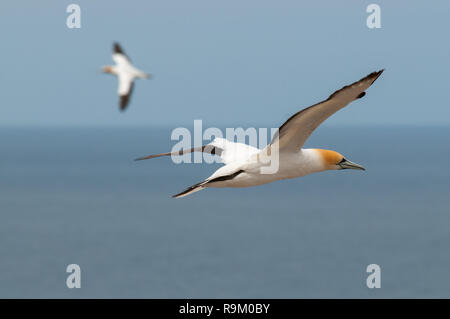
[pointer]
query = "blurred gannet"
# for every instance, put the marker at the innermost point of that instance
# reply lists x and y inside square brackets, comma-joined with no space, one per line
[126,73]
[243,164]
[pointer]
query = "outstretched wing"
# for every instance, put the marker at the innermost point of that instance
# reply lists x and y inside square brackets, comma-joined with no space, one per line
[199,186]
[125,89]
[213,150]
[295,131]
[226,150]
[119,55]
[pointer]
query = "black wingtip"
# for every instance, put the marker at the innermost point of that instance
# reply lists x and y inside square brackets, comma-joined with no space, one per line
[117,48]
[188,190]
[375,75]
[143,158]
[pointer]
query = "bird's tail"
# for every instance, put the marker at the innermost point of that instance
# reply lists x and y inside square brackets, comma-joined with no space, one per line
[194,188]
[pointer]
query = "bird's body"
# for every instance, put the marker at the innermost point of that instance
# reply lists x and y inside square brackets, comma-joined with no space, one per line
[284,157]
[126,74]
[291,165]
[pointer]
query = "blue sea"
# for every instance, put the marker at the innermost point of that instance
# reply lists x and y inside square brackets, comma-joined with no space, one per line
[75,196]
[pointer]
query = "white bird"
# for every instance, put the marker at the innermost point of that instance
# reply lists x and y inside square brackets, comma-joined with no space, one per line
[126,73]
[244,163]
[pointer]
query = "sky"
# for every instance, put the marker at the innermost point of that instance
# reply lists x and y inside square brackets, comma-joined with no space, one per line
[234,62]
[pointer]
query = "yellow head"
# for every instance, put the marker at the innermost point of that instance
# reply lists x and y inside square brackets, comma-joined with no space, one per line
[333,160]
[108,69]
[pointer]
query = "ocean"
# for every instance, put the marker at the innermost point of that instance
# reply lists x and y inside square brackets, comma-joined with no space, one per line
[75,196]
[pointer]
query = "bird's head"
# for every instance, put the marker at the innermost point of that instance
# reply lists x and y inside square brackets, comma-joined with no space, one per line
[334,161]
[108,69]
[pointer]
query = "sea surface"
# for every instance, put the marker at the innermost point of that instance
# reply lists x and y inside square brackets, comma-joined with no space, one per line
[75,196]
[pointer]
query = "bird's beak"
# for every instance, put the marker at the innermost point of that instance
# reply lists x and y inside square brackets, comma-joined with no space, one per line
[350,165]
[105,69]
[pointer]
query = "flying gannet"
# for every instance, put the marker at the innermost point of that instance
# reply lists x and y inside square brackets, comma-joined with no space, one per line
[126,73]
[243,163]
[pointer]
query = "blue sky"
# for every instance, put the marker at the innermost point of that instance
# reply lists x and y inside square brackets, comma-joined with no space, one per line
[228,62]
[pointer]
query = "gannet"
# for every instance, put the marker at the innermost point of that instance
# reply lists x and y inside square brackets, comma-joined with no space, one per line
[126,73]
[243,164]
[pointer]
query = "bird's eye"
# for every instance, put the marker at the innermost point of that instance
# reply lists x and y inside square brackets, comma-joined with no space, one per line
[342,161]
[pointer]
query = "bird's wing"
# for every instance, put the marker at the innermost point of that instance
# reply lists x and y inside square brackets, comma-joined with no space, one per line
[205,149]
[226,150]
[295,131]
[125,89]
[224,173]
[119,56]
